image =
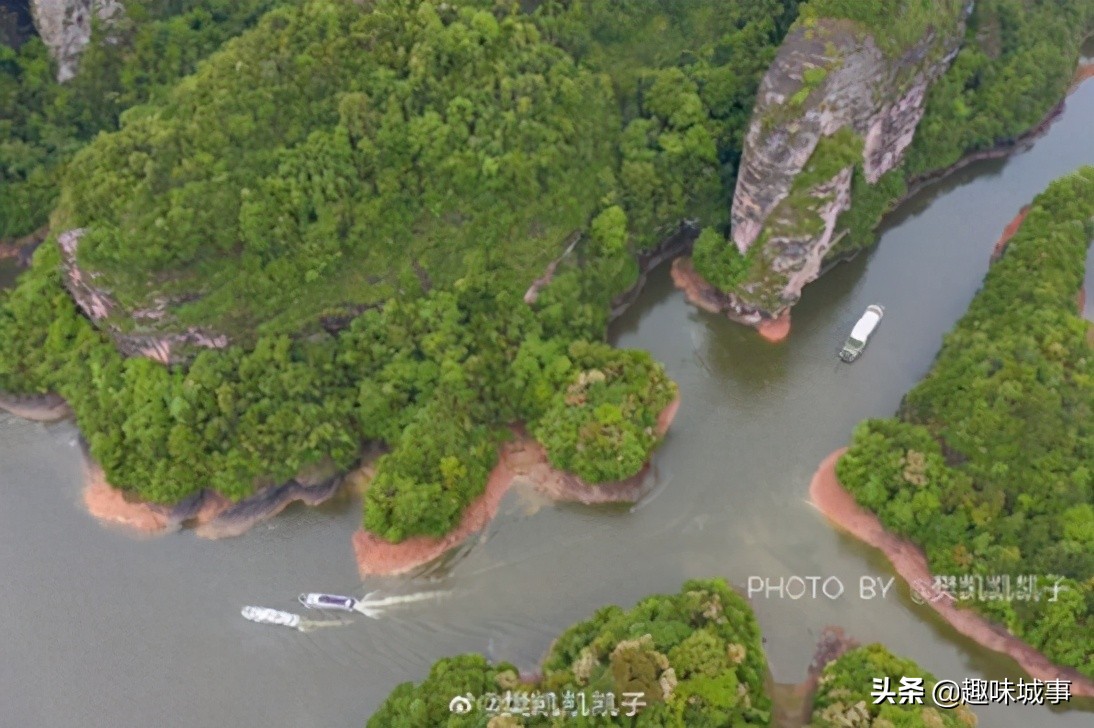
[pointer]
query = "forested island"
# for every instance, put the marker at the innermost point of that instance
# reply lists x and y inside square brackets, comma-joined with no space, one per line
[987,464]
[697,659]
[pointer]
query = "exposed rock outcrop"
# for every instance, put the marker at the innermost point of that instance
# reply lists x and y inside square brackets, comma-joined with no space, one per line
[834,100]
[210,514]
[65,27]
[98,305]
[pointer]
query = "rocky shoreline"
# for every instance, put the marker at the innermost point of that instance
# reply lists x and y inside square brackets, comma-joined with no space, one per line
[671,248]
[213,516]
[792,703]
[1007,147]
[37,408]
[519,459]
[1008,233]
[910,563]
[209,514]
[707,297]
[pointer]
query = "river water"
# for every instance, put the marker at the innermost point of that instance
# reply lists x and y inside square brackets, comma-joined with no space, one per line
[101,628]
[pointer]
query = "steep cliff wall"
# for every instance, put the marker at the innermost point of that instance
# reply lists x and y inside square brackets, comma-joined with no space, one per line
[138,339]
[65,27]
[836,103]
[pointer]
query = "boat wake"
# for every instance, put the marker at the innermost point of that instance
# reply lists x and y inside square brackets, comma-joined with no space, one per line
[310,625]
[370,605]
[374,608]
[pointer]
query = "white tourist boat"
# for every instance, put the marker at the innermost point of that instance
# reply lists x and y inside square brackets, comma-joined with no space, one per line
[860,334]
[318,600]
[263,615]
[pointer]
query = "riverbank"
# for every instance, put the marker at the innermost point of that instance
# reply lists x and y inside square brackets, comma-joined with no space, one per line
[1008,233]
[213,516]
[521,459]
[210,514]
[909,561]
[705,296]
[675,245]
[1006,147]
[38,408]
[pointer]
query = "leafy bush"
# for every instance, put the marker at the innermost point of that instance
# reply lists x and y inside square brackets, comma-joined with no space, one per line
[602,426]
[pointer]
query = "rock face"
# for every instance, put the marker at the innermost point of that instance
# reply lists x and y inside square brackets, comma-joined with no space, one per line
[210,514]
[98,305]
[65,27]
[832,101]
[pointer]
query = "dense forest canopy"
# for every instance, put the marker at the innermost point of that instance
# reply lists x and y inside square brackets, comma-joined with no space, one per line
[1014,66]
[988,464]
[43,123]
[312,162]
[407,168]
[437,378]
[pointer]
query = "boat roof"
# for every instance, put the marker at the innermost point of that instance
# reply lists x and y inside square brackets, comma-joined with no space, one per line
[865,325]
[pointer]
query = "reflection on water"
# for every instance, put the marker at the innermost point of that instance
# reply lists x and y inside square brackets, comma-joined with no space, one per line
[130,629]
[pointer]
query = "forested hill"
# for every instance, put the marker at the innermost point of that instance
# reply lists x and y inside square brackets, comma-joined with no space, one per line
[340,152]
[337,151]
[357,196]
[988,466]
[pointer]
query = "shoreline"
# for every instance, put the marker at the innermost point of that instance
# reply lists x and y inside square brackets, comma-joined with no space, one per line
[519,459]
[677,244]
[36,408]
[1009,232]
[910,563]
[212,516]
[208,514]
[1005,148]
[792,703]
[705,296]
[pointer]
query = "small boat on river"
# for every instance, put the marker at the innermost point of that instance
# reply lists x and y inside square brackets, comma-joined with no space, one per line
[263,615]
[318,600]
[861,333]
